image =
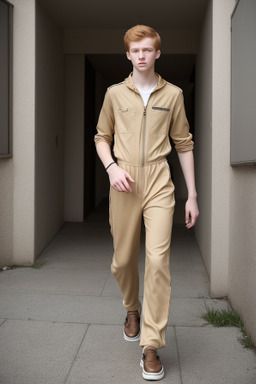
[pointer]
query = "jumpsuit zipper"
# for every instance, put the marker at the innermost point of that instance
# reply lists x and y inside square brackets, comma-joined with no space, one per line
[144,130]
[141,170]
[143,136]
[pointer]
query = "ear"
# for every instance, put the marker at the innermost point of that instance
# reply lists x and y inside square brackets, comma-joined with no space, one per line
[128,56]
[158,54]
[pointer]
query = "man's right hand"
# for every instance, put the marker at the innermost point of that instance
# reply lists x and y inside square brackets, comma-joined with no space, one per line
[119,179]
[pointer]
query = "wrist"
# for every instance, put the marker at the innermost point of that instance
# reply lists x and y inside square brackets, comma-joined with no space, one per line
[192,196]
[109,165]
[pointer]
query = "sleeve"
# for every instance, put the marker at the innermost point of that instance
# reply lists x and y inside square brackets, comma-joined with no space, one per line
[179,128]
[106,122]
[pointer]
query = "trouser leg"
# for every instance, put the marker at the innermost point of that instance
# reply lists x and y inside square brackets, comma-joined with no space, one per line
[158,219]
[125,222]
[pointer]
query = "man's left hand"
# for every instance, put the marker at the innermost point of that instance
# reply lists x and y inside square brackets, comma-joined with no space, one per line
[191,212]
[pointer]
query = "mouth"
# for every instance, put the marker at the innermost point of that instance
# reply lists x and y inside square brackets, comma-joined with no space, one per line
[141,64]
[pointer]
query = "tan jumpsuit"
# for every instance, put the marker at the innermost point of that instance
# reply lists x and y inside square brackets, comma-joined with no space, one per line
[141,143]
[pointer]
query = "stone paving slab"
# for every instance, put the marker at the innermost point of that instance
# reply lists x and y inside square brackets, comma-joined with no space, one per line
[105,357]
[190,285]
[217,304]
[70,251]
[37,352]
[97,310]
[86,229]
[73,260]
[190,263]
[187,312]
[62,308]
[62,323]
[211,355]
[55,281]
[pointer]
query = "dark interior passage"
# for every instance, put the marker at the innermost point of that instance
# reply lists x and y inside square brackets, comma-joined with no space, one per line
[103,70]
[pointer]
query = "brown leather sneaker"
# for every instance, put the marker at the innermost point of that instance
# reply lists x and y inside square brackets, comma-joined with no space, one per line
[150,363]
[132,326]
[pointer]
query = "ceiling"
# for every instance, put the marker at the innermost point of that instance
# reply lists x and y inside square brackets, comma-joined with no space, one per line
[116,14]
[173,14]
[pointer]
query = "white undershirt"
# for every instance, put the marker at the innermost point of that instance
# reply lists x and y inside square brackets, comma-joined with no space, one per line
[146,94]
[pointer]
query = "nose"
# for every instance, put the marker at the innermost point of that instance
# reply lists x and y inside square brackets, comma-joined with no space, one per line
[141,54]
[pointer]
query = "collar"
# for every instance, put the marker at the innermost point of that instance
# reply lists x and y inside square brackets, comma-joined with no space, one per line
[129,83]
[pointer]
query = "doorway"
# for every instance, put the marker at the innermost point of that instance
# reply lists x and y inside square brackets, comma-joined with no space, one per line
[108,69]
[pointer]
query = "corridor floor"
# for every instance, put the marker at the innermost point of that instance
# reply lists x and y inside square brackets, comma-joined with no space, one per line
[62,323]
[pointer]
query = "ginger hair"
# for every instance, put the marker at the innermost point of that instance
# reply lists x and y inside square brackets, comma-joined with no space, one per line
[139,32]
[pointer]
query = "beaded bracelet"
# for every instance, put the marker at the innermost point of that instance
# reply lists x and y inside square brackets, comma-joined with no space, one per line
[113,162]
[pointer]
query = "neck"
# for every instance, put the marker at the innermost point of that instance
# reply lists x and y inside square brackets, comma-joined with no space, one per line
[144,80]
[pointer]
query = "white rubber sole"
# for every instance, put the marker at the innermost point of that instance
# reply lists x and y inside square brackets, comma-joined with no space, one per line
[127,338]
[151,376]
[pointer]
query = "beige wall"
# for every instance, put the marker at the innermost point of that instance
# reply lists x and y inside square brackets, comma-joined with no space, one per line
[227,225]
[49,128]
[203,147]
[213,131]
[17,174]
[6,211]
[221,104]
[242,259]
[74,137]
[24,132]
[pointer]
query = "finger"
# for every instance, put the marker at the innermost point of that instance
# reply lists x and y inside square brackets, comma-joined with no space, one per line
[187,217]
[126,187]
[117,187]
[130,178]
[125,183]
[190,225]
[192,220]
[121,187]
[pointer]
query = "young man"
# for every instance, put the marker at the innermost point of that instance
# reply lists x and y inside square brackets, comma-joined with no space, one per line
[140,114]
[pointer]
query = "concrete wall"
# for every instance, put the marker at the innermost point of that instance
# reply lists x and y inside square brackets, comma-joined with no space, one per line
[17,174]
[221,106]
[49,128]
[213,142]
[74,137]
[227,225]
[242,256]
[203,129]
[24,132]
[6,211]
[242,260]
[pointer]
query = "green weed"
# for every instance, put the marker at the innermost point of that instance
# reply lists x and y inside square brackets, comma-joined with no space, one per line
[36,265]
[226,318]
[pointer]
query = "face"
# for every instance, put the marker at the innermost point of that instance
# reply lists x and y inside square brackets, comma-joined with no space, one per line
[143,54]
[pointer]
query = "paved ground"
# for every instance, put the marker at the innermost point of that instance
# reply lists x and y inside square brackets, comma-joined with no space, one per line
[62,323]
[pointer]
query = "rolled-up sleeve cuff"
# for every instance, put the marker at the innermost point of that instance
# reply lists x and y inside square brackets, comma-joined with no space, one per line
[184,144]
[98,138]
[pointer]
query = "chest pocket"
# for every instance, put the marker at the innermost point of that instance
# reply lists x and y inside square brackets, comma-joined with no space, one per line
[125,122]
[160,120]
